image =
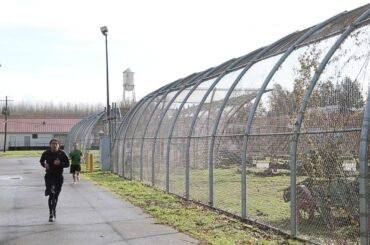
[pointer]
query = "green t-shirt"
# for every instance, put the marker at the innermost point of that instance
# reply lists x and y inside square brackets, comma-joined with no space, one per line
[75,156]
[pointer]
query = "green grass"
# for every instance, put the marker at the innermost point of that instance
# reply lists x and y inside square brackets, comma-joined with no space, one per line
[209,226]
[266,193]
[21,154]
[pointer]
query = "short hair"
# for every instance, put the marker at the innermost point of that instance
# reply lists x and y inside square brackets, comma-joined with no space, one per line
[54,140]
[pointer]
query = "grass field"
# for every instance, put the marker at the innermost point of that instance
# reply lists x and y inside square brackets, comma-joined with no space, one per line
[209,226]
[20,153]
[265,203]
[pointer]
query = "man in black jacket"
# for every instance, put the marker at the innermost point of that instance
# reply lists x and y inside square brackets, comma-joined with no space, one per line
[53,160]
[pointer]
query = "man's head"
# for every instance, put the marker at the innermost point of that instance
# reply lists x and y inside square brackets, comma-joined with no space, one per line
[54,145]
[75,145]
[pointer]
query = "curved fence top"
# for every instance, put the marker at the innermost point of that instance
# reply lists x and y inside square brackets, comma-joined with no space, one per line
[273,136]
[86,133]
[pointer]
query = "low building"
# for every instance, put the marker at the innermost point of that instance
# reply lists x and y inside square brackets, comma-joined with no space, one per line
[34,133]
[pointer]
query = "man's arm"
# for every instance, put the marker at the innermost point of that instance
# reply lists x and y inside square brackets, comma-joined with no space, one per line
[42,160]
[65,160]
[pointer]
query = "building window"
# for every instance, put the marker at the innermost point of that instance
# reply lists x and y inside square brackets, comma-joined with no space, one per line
[34,136]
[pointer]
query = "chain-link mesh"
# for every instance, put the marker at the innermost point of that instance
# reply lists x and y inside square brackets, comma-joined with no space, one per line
[86,133]
[275,136]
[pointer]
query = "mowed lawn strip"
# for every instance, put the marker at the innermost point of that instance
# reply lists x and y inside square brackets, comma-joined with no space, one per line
[208,226]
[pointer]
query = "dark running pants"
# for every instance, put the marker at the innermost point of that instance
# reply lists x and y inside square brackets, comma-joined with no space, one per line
[53,184]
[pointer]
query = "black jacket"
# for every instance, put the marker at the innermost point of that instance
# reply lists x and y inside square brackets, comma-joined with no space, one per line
[49,157]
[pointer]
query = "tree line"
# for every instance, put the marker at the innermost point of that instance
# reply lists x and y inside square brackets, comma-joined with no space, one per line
[50,109]
[343,96]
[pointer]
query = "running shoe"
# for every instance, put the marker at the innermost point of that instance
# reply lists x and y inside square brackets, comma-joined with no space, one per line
[51,218]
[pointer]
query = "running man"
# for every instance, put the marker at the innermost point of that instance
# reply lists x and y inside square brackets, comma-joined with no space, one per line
[53,160]
[75,155]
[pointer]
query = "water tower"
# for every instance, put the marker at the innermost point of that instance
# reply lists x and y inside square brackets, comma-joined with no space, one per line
[128,98]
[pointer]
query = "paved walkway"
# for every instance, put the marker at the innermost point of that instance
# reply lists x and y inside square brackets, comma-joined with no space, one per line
[86,213]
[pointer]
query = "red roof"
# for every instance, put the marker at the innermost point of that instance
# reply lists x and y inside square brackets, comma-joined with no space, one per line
[38,125]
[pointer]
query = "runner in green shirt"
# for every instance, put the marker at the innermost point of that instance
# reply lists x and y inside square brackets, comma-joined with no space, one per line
[75,156]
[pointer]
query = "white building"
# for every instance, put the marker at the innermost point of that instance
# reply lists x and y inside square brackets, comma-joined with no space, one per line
[34,133]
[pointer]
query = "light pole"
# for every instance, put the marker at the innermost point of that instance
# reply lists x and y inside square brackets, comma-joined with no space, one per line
[104,30]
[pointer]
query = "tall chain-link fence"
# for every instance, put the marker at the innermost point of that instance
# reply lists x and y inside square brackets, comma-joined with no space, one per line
[278,136]
[87,133]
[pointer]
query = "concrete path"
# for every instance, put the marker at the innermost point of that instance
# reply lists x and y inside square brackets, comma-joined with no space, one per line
[86,213]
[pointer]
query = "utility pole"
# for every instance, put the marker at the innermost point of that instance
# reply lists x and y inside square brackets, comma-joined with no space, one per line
[5,112]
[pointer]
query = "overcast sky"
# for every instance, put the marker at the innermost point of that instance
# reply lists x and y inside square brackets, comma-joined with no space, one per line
[54,51]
